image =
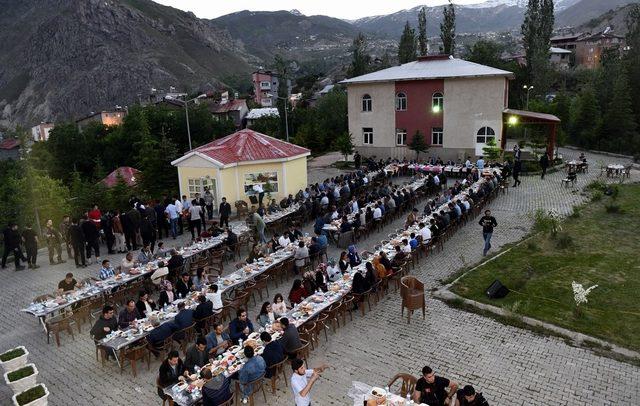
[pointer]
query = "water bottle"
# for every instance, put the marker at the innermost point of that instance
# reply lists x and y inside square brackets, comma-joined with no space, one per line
[164,308]
[409,400]
[240,343]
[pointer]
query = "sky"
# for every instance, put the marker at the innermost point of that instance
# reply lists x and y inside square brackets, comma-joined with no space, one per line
[349,9]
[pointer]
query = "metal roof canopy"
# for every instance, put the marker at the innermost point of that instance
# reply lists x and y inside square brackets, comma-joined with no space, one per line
[532,117]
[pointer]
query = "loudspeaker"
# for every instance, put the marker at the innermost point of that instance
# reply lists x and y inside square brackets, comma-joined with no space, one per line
[497,290]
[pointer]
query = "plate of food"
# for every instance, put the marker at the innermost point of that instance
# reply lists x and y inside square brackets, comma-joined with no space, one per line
[254,336]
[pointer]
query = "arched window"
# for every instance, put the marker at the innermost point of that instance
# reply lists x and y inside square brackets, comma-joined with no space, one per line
[437,102]
[485,134]
[366,103]
[401,101]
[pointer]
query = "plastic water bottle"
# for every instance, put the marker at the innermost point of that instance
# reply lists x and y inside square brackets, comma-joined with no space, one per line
[409,400]
[240,343]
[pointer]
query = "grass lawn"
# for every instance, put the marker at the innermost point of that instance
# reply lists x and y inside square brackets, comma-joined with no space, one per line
[604,251]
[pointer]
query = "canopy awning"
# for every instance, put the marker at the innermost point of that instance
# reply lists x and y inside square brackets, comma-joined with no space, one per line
[532,117]
[129,174]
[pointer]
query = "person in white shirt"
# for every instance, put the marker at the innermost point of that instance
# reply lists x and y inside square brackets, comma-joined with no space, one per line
[324,202]
[195,223]
[377,213]
[354,205]
[172,212]
[406,248]
[302,380]
[436,180]
[467,205]
[336,192]
[480,163]
[260,191]
[468,164]
[425,232]
[284,239]
[215,297]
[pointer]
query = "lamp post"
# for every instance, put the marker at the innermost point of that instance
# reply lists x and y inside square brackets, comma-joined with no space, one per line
[528,89]
[186,112]
[286,120]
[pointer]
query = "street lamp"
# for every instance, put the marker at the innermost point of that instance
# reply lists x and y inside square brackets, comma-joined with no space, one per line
[186,111]
[286,120]
[528,89]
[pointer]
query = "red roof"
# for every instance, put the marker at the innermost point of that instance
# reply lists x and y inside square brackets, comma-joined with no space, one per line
[230,105]
[129,174]
[9,143]
[248,145]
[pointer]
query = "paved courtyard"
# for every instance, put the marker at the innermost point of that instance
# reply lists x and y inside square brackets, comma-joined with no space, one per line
[509,365]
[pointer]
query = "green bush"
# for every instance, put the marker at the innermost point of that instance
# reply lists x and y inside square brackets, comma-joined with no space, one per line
[564,241]
[30,395]
[546,222]
[575,213]
[9,355]
[532,246]
[597,185]
[596,196]
[613,208]
[20,373]
[612,191]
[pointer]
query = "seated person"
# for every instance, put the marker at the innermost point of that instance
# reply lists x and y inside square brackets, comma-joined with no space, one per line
[354,257]
[294,233]
[159,274]
[105,324]
[215,297]
[216,389]
[290,339]
[273,352]
[345,226]
[145,304]
[161,251]
[255,254]
[68,284]
[106,271]
[217,340]
[266,315]
[171,371]
[167,295]
[199,280]
[240,327]
[297,292]
[127,263]
[128,315]
[196,355]
[145,255]
[468,396]
[273,207]
[160,333]
[176,262]
[184,285]
[285,239]
[254,368]
[385,261]
[183,319]
[399,258]
[203,310]
[279,306]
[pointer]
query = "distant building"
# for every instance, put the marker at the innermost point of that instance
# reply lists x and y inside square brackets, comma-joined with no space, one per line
[589,49]
[108,118]
[568,41]
[41,131]
[255,114]
[235,109]
[9,149]
[456,105]
[559,57]
[265,87]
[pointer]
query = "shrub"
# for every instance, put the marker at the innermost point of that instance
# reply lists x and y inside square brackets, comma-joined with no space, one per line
[20,373]
[546,222]
[564,241]
[596,196]
[613,208]
[533,246]
[613,191]
[9,355]
[30,395]
[575,213]
[596,185]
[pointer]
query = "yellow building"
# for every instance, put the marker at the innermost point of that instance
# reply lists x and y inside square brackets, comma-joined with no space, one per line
[231,166]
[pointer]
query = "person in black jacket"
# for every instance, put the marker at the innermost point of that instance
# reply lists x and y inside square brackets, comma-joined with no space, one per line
[12,245]
[145,304]
[225,212]
[92,238]
[77,241]
[106,224]
[183,285]
[171,371]
[203,310]
[147,232]
[517,168]
[544,164]
[468,396]
[273,352]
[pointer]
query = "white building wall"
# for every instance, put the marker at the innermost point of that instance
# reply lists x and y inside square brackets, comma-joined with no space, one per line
[469,104]
[381,118]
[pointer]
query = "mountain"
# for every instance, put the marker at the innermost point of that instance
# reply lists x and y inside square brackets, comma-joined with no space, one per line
[290,33]
[61,59]
[614,19]
[585,10]
[502,17]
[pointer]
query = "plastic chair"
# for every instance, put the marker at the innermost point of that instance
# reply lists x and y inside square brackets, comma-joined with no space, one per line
[256,385]
[408,383]
[412,293]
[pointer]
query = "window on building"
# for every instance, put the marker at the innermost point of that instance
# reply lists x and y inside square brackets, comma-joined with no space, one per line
[268,181]
[366,103]
[367,136]
[265,85]
[436,136]
[197,185]
[401,137]
[401,101]
[485,134]
[437,102]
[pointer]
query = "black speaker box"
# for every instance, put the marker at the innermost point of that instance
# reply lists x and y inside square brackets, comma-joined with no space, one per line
[497,290]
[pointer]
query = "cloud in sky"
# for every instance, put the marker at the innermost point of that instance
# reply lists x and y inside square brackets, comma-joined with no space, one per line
[334,8]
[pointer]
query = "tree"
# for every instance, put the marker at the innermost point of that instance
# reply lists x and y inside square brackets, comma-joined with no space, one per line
[269,125]
[632,58]
[492,151]
[282,67]
[536,38]
[423,46]
[418,144]
[344,144]
[586,122]
[619,125]
[360,60]
[448,29]
[486,52]
[407,45]
[154,161]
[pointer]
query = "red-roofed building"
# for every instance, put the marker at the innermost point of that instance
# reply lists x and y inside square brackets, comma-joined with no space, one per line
[9,149]
[235,110]
[236,165]
[129,175]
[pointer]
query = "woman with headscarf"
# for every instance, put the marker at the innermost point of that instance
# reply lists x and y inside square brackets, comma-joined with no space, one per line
[354,257]
[166,294]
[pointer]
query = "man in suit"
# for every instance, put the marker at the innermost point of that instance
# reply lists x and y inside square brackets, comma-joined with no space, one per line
[183,319]
[225,212]
[203,309]
[273,352]
[183,286]
[77,240]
